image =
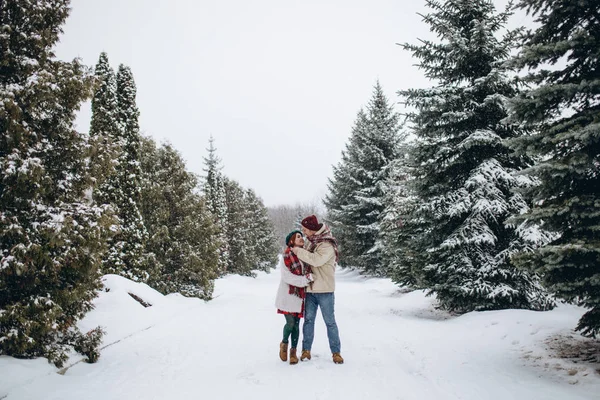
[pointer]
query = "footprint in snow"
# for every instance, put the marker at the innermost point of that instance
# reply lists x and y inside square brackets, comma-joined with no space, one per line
[249,377]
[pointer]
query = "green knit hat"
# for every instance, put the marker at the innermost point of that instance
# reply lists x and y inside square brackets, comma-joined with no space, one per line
[289,236]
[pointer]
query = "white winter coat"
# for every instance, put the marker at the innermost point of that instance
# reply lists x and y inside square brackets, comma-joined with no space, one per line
[284,300]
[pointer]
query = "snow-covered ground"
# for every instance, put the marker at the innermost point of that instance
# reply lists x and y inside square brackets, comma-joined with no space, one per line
[395,344]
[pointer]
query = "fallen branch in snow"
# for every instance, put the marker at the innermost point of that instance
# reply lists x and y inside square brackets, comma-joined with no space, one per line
[62,371]
[139,300]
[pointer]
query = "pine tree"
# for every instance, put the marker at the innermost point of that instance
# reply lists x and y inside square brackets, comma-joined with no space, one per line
[51,239]
[126,254]
[214,191]
[263,250]
[181,231]
[464,171]
[563,113]
[356,193]
[104,129]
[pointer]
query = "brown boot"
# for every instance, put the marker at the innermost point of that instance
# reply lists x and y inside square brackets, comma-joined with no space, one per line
[305,355]
[293,357]
[337,358]
[283,351]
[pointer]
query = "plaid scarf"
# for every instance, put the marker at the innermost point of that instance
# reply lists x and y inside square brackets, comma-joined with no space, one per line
[324,236]
[296,267]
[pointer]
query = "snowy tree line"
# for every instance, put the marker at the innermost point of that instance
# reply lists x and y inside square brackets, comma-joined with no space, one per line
[488,196]
[76,206]
[173,233]
[247,238]
[286,218]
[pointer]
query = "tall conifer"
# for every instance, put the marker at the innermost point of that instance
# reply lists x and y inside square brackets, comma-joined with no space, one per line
[262,239]
[356,193]
[214,192]
[51,238]
[121,190]
[464,171]
[182,236]
[562,110]
[104,136]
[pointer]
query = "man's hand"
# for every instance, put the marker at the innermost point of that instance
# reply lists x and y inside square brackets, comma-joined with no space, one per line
[294,250]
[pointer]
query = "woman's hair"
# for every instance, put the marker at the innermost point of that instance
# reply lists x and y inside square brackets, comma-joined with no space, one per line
[291,237]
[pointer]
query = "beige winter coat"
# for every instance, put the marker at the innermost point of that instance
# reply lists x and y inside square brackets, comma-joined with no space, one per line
[323,262]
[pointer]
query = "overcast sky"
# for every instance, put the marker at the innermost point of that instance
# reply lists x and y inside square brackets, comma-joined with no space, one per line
[276,83]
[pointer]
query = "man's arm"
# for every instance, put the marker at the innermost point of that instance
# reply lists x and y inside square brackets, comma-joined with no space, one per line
[317,259]
[294,280]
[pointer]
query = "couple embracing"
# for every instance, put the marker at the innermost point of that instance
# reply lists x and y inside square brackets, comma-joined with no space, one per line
[307,283]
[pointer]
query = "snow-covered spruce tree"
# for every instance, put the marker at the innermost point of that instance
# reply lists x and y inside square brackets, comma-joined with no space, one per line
[264,245]
[127,249]
[355,201]
[252,243]
[51,239]
[238,230]
[341,187]
[214,193]
[563,111]
[398,228]
[465,173]
[104,134]
[182,236]
[298,222]
[153,208]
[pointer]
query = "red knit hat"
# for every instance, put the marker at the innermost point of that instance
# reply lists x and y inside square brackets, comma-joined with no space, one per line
[311,223]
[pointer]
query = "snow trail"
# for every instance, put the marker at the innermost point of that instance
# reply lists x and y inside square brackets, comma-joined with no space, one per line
[396,346]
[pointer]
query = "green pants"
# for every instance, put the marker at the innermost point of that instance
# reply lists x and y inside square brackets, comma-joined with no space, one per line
[291,327]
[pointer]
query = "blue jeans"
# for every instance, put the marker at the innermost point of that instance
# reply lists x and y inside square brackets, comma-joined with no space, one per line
[327,302]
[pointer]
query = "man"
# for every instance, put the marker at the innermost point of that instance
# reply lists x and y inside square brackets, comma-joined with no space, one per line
[322,254]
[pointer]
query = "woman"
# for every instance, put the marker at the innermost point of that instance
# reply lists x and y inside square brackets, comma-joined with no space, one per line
[295,276]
